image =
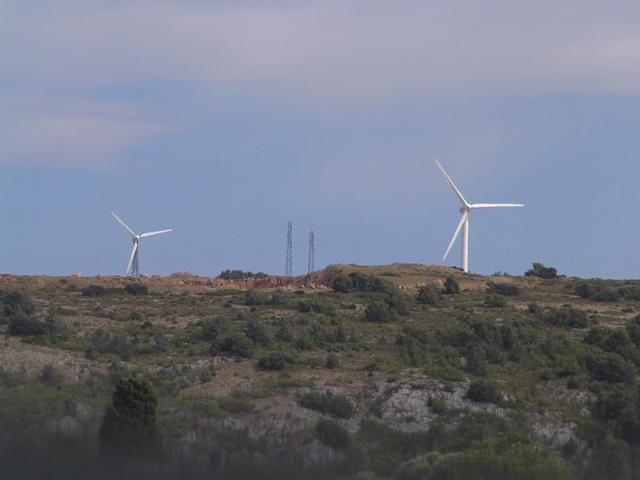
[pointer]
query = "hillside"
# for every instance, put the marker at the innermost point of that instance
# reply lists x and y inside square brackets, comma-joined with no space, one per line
[358,372]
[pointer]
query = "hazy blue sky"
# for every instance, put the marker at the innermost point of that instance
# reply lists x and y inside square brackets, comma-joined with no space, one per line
[223,120]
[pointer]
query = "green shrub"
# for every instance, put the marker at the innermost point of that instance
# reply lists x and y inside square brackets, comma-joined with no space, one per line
[240,275]
[429,295]
[483,392]
[332,435]
[336,405]
[506,289]
[94,291]
[609,367]
[136,289]
[233,344]
[540,271]
[23,325]
[342,283]
[494,301]
[50,376]
[275,361]
[15,303]
[378,312]
[129,427]
[257,332]
[451,286]
[114,343]
[565,316]
[331,361]
[254,298]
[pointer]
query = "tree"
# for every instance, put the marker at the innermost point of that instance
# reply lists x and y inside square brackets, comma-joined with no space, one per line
[540,271]
[342,283]
[428,295]
[129,427]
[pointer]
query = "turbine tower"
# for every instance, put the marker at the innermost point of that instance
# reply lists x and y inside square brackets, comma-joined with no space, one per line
[133,268]
[463,225]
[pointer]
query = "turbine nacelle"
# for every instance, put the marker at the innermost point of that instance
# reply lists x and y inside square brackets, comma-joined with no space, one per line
[465,210]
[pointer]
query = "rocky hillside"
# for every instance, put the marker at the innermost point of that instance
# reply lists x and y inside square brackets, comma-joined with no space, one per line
[399,371]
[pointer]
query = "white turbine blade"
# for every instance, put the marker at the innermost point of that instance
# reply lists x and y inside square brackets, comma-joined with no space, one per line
[463,219]
[123,224]
[451,184]
[496,205]
[152,234]
[133,253]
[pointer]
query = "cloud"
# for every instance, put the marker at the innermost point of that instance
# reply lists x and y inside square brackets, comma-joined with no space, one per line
[327,55]
[86,134]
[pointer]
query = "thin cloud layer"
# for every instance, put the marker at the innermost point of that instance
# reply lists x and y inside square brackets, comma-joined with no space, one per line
[325,55]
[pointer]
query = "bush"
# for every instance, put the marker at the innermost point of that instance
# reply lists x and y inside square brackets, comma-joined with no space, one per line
[257,332]
[254,298]
[494,301]
[609,367]
[598,292]
[50,376]
[336,405]
[332,435]
[540,271]
[429,295]
[23,325]
[506,289]
[234,344]
[451,286]
[342,283]
[378,312]
[114,343]
[483,392]
[94,291]
[331,361]
[136,289]
[565,317]
[129,426]
[275,361]
[15,303]
[240,275]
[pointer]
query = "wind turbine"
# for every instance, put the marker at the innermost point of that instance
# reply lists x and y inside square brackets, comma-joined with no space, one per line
[463,225]
[133,268]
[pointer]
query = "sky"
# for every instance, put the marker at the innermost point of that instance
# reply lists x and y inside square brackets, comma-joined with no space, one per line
[224,120]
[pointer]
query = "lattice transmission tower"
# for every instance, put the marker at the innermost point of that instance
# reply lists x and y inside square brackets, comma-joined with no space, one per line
[288,271]
[312,253]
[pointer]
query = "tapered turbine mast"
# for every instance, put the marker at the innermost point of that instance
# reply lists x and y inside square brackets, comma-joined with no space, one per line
[133,268]
[463,225]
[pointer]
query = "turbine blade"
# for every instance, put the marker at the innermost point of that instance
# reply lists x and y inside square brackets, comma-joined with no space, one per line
[463,219]
[496,205]
[451,184]
[123,224]
[133,253]
[152,234]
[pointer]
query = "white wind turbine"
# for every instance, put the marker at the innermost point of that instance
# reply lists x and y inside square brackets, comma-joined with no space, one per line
[133,268]
[464,220]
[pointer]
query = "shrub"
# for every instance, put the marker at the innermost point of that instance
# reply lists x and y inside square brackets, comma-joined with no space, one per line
[506,289]
[540,271]
[136,289]
[483,392]
[278,297]
[378,312]
[565,316]
[15,303]
[283,332]
[23,325]
[94,291]
[316,306]
[342,283]
[598,292]
[50,376]
[494,301]
[609,367]
[332,435]
[451,286]
[111,343]
[331,361]
[336,405]
[254,298]
[129,426]
[429,295]
[233,344]
[240,275]
[257,332]
[275,361]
